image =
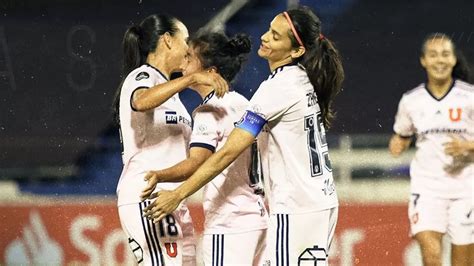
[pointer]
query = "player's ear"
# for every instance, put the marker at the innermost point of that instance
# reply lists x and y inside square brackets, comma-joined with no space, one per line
[167,40]
[423,61]
[297,52]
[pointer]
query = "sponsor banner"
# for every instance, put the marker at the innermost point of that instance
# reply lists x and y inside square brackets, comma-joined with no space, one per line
[78,233]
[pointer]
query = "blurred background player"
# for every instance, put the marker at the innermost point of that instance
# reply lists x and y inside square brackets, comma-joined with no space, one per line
[155,129]
[235,217]
[440,113]
[291,108]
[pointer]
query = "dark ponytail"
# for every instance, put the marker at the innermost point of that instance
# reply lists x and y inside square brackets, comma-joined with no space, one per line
[462,69]
[133,56]
[322,60]
[138,42]
[217,50]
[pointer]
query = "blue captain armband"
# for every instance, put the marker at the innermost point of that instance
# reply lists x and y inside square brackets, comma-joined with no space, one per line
[251,122]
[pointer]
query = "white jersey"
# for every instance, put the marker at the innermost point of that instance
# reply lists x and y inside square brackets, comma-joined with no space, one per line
[433,121]
[293,145]
[230,204]
[152,140]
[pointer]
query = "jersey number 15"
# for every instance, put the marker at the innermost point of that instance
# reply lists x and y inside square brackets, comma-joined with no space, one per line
[310,124]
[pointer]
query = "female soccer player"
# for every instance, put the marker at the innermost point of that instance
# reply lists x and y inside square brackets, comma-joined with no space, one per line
[236,220]
[155,129]
[291,110]
[439,112]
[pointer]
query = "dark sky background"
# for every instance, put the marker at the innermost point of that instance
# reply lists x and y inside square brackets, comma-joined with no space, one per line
[60,62]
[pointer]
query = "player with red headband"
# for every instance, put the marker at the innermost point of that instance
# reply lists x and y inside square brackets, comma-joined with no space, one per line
[289,113]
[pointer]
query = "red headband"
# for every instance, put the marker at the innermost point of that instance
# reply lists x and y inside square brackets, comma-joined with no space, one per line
[293,28]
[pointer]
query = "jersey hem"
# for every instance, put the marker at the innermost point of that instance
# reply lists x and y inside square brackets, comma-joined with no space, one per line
[328,207]
[215,231]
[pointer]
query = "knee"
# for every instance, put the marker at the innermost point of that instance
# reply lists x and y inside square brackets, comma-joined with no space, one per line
[431,257]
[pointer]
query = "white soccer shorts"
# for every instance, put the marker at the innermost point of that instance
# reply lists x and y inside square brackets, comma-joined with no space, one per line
[246,248]
[301,239]
[169,242]
[451,216]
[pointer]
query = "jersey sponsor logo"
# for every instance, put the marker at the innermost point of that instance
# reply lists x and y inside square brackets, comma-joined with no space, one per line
[455,117]
[171,117]
[329,187]
[184,120]
[443,131]
[142,75]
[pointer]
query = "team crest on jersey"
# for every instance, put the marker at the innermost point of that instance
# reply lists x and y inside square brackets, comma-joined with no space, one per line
[142,75]
[311,256]
[455,117]
[414,218]
[202,129]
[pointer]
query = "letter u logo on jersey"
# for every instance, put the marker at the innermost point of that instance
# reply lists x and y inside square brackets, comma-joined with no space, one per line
[455,117]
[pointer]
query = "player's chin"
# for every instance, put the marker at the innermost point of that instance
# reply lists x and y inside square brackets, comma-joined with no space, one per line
[262,53]
[441,76]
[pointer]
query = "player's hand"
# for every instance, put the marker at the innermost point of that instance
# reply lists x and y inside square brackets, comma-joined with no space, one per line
[165,203]
[456,147]
[153,178]
[398,144]
[212,79]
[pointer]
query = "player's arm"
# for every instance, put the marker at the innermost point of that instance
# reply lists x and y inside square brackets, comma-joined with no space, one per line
[398,144]
[458,147]
[145,99]
[168,201]
[403,128]
[239,139]
[177,173]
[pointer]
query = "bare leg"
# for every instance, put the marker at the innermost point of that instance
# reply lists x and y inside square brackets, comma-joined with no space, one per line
[460,255]
[430,244]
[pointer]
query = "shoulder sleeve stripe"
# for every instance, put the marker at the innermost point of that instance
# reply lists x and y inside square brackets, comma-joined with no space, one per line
[203,145]
[131,96]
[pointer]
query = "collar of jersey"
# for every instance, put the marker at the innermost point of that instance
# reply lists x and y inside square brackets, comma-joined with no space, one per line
[442,97]
[280,68]
[157,70]
[208,97]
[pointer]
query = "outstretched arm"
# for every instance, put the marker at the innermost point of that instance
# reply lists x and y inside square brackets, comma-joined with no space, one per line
[176,173]
[168,201]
